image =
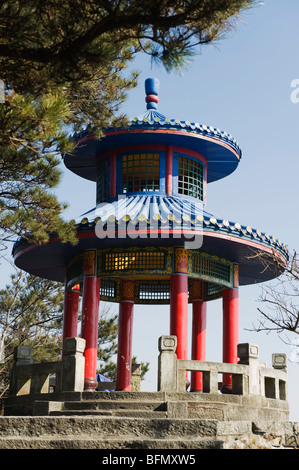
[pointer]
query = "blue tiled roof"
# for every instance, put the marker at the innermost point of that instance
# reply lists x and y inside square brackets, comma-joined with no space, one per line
[161,210]
[219,237]
[154,119]
[220,148]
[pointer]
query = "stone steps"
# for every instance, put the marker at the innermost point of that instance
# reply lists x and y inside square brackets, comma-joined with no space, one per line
[132,420]
[116,404]
[108,432]
[73,442]
[98,407]
[106,427]
[130,408]
[125,413]
[97,432]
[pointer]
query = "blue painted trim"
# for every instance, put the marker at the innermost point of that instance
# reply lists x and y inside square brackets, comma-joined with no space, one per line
[118,172]
[163,172]
[107,195]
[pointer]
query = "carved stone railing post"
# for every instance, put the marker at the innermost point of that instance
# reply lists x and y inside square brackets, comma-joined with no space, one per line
[73,363]
[135,377]
[248,355]
[167,364]
[20,384]
[279,362]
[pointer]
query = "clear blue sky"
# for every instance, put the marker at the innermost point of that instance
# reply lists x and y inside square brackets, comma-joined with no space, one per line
[242,86]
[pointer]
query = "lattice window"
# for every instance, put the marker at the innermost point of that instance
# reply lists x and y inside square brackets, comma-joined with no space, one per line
[134,261]
[211,267]
[140,172]
[213,289]
[190,177]
[102,187]
[154,292]
[108,288]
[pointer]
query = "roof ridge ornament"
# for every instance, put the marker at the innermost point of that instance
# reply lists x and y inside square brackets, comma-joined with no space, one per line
[152,86]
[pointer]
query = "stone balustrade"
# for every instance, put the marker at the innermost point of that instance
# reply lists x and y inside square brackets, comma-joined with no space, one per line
[67,375]
[249,377]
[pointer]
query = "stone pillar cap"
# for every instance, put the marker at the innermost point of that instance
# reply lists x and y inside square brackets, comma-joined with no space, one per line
[279,361]
[74,345]
[167,343]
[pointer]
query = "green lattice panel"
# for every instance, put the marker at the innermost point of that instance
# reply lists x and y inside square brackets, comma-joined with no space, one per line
[190,177]
[212,268]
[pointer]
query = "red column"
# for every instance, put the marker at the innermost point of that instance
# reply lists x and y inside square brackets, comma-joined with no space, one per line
[199,324]
[179,313]
[70,314]
[179,302]
[125,336]
[230,332]
[169,166]
[90,318]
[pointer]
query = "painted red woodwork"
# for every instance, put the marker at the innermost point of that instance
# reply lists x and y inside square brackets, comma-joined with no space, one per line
[179,313]
[125,336]
[152,99]
[70,314]
[230,330]
[198,351]
[90,318]
[85,139]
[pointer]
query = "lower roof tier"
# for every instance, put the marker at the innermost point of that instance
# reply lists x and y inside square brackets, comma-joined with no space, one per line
[156,223]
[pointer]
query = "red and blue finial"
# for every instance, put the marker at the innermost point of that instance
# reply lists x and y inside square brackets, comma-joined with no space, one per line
[152,90]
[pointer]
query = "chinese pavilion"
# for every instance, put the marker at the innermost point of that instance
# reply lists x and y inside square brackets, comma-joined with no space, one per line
[150,240]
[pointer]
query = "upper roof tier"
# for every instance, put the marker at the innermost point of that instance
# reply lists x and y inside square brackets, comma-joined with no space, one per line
[220,149]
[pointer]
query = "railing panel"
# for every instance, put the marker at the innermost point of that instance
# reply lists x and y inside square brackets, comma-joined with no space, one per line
[249,377]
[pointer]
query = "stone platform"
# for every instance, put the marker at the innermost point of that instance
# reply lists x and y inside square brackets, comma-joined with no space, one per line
[108,432]
[182,405]
[253,416]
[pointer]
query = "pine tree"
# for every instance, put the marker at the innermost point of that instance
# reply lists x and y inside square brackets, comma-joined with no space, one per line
[108,332]
[51,42]
[63,64]
[31,313]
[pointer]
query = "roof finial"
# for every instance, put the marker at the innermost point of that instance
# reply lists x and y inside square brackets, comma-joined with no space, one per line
[152,91]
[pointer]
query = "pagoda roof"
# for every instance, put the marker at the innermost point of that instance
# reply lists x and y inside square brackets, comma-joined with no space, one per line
[225,239]
[219,148]
[158,220]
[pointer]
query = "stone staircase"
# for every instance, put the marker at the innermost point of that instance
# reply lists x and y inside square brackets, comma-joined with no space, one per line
[111,404]
[132,420]
[101,432]
[126,408]
[117,404]
[122,433]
